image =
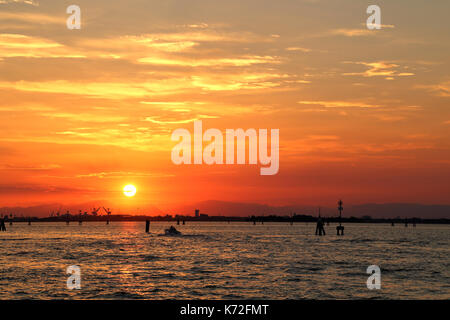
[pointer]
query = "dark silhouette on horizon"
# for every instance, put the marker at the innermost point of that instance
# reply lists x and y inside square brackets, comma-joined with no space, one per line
[2,224]
[172,231]
[319,227]
[340,227]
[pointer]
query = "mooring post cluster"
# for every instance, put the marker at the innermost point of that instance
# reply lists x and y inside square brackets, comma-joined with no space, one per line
[320,230]
[2,224]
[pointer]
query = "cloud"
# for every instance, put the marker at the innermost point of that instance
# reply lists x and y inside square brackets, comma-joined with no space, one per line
[323,137]
[199,25]
[29,2]
[359,32]
[122,174]
[131,45]
[394,146]
[43,167]
[176,83]
[337,149]
[298,49]
[109,90]
[37,188]
[18,45]
[389,118]
[240,81]
[139,47]
[441,89]
[172,104]
[215,62]
[204,36]
[353,32]
[85,117]
[378,69]
[156,49]
[139,139]
[173,121]
[340,104]
[28,19]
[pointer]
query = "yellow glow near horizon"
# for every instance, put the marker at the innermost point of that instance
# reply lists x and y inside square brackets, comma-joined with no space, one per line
[129,190]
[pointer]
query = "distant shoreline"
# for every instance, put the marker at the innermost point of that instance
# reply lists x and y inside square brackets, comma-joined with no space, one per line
[254,219]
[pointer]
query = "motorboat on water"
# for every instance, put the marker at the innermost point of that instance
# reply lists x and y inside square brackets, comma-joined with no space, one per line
[172,231]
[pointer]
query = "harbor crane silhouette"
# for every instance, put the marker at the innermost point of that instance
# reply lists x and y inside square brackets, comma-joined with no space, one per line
[95,211]
[108,212]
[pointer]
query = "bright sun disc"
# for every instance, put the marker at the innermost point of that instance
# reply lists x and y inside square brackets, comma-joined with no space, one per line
[129,190]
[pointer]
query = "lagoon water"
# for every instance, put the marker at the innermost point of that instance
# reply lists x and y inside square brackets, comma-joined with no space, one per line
[217,260]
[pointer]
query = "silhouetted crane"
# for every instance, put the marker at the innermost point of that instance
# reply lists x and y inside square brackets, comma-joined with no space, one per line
[108,212]
[95,211]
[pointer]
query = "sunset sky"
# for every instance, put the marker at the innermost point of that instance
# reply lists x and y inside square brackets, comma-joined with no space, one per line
[364,115]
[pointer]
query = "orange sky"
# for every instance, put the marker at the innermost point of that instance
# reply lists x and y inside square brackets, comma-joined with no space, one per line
[363,115]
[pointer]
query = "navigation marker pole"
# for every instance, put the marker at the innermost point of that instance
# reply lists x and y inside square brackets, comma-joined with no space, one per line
[340,227]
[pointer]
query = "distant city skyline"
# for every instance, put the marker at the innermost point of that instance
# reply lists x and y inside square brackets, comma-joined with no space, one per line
[240,209]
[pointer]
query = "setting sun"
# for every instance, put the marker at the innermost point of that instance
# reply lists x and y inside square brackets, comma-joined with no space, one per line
[129,190]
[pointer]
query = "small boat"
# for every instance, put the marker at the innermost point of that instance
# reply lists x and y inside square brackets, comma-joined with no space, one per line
[172,232]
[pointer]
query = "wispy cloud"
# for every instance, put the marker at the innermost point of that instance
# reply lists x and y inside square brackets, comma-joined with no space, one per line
[301,49]
[353,32]
[18,45]
[122,174]
[441,89]
[85,117]
[175,83]
[158,120]
[389,117]
[109,90]
[216,62]
[29,19]
[340,104]
[29,2]
[378,69]
[359,32]
[40,167]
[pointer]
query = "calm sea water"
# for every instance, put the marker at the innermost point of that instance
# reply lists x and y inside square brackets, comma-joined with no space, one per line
[223,261]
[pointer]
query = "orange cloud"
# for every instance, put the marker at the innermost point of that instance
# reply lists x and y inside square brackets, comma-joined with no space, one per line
[379,68]
[340,104]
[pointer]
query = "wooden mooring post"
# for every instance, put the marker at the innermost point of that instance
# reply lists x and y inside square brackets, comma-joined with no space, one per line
[340,227]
